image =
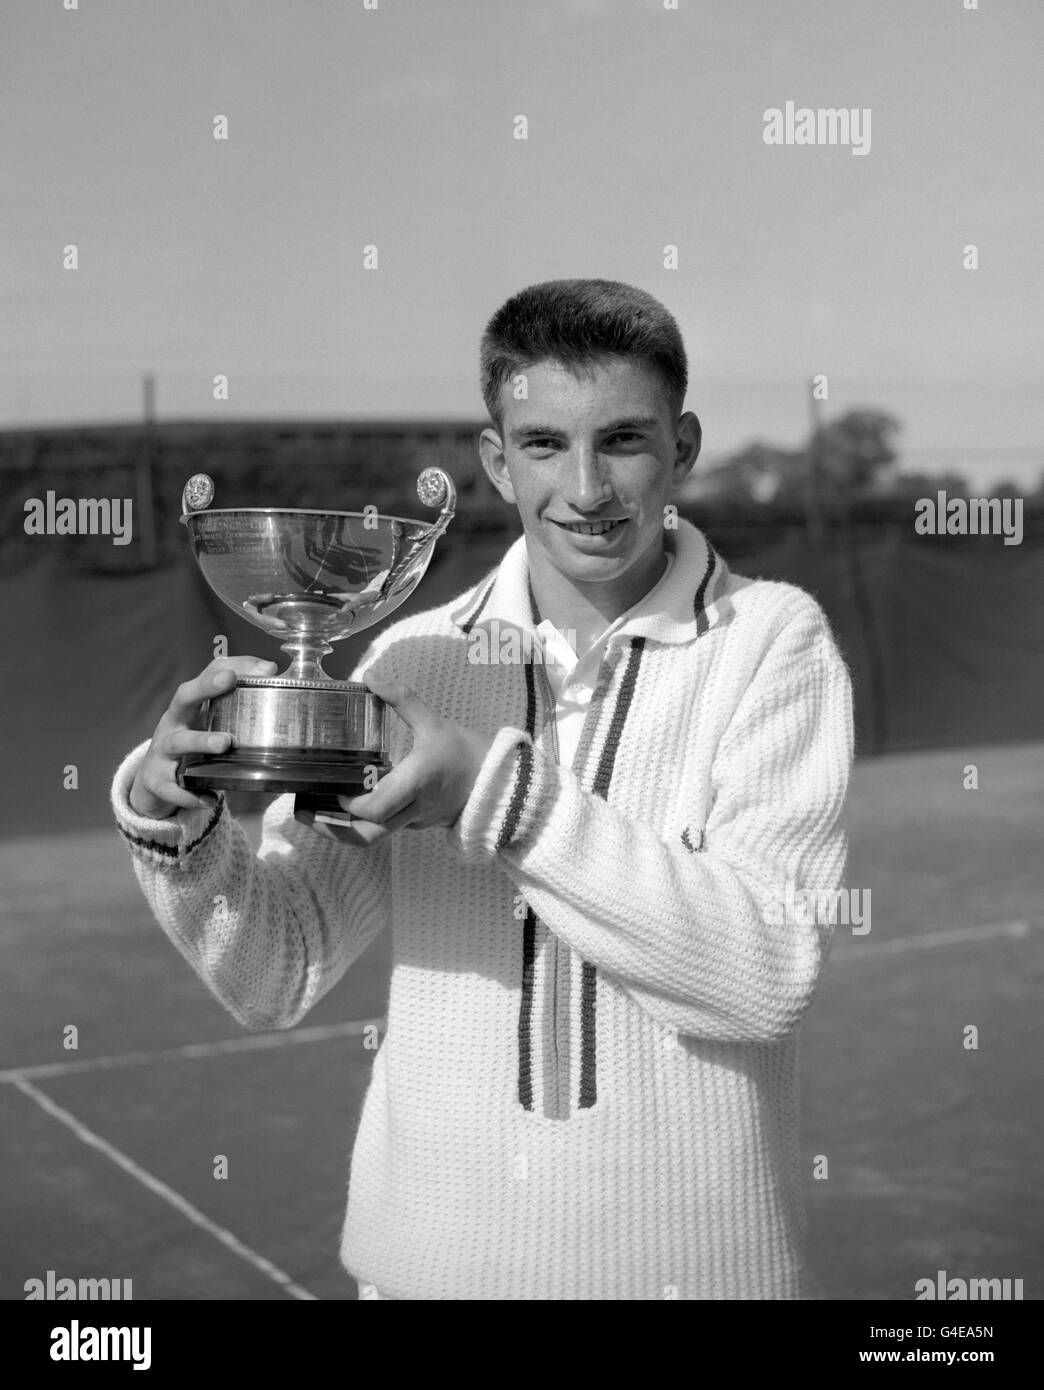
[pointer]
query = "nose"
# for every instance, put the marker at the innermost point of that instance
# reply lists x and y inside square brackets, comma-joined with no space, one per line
[589,485]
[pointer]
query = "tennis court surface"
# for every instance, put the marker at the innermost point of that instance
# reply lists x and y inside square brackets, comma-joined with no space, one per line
[931,1147]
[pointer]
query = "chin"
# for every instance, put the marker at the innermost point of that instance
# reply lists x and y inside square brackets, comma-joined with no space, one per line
[594,567]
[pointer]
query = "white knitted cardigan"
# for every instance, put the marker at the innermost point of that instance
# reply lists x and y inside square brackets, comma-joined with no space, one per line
[588,1083]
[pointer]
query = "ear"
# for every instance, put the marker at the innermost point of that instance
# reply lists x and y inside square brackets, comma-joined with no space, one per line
[491,451]
[687,446]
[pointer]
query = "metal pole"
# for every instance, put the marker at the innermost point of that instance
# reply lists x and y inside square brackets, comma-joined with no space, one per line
[146,508]
[813,500]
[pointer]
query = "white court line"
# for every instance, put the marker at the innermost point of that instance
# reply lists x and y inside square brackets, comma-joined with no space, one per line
[179,1203]
[253,1043]
[929,940]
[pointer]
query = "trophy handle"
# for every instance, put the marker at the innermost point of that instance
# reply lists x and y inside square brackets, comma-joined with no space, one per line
[435,489]
[198,494]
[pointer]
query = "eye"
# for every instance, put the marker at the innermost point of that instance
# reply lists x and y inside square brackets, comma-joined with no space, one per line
[544,443]
[624,437]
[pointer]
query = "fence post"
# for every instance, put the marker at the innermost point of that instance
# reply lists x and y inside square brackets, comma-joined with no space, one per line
[146,503]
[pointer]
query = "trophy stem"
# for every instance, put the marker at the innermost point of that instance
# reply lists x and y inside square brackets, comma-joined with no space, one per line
[307,664]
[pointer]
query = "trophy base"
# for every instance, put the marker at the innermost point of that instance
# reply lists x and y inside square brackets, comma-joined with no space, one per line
[316,737]
[271,775]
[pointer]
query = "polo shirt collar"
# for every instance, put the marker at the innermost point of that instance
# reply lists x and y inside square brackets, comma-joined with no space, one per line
[691,599]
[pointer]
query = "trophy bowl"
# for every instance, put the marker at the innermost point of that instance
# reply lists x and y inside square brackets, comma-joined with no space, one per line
[309,579]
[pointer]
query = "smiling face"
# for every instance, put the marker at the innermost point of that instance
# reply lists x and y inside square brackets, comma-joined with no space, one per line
[591,458]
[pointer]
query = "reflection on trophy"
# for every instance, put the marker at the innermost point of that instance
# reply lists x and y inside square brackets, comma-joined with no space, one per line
[310,578]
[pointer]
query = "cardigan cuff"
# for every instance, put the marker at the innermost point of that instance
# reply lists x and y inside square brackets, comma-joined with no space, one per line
[509,802]
[165,843]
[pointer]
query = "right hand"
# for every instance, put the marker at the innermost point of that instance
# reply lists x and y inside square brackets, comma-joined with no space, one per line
[155,792]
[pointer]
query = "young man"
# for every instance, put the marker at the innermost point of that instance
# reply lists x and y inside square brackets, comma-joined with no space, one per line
[588,1084]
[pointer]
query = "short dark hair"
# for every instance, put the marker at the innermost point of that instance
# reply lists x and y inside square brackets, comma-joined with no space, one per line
[577,322]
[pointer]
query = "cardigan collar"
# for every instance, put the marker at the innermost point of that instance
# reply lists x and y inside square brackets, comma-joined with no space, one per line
[692,598]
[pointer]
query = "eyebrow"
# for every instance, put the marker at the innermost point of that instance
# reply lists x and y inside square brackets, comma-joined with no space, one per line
[634,422]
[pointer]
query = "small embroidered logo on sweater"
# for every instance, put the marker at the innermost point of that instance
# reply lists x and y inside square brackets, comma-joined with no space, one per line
[692,839]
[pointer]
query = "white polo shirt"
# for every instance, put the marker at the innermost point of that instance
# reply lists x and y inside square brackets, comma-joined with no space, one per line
[572,677]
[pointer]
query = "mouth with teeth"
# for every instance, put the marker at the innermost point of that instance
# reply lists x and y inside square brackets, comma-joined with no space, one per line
[592,528]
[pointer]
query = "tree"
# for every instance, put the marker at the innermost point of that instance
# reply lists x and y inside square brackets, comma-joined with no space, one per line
[847,458]
[757,475]
[854,453]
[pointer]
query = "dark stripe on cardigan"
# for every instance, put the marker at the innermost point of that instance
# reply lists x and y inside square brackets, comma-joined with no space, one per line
[523,781]
[213,824]
[530,700]
[600,787]
[470,622]
[590,724]
[588,995]
[602,778]
[525,1011]
[699,610]
[524,775]
[171,851]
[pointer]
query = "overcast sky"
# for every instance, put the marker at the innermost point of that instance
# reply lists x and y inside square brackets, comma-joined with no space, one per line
[394,127]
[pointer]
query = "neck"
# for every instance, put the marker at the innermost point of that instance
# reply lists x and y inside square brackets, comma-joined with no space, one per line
[588,609]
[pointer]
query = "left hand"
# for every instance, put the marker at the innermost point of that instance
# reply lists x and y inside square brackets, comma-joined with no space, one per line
[433,782]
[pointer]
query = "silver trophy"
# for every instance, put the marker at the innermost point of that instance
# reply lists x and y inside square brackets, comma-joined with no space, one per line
[309,578]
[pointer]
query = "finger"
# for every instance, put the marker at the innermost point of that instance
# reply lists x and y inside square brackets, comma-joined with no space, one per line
[245,666]
[167,791]
[391,795]
[217,679]
[407,816]
[179,741]
[360,834]
[407,704]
